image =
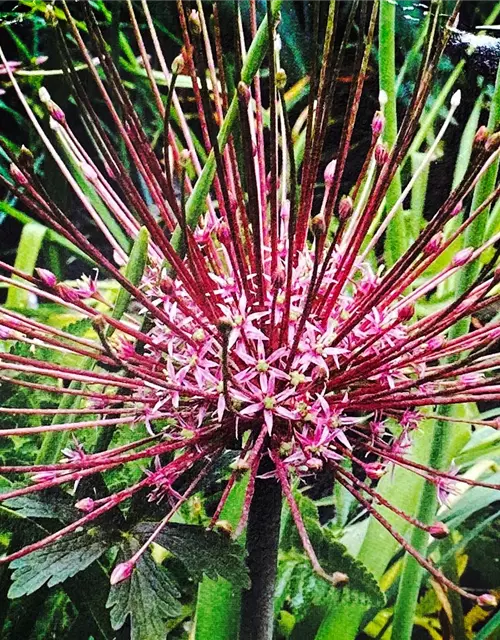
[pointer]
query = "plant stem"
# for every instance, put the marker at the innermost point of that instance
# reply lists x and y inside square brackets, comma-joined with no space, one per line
[387,81]
[439,458]
[257,606]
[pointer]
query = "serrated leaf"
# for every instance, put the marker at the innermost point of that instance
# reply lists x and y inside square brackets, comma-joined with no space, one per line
[305,587]
[201,551]
[57,562]
[52,504]
[149,597]
[79,328]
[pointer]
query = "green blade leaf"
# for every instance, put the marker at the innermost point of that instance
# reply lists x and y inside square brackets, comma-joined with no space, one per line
[133,272]
[30,243]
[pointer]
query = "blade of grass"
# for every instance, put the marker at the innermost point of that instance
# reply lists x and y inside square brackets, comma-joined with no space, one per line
[30,243]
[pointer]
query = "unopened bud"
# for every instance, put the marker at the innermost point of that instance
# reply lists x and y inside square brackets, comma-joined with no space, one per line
[493,142]
[345,207]
[18,175]
[457,209]
[121,572]
[382,98]
[86,504]
[330,172]
[318,226]
[406,312]
[439,530]
[50,15]
[434,244]
[25,158]
[374,470]
[194,22]
[480,137]
[377,124]
[47,277]
[240,465]
[381,154]
[281,79]
[178,64]
[224,325]
[487,601]
[462,257]
[224,526]
[184,158]
[223,233]
[456,99]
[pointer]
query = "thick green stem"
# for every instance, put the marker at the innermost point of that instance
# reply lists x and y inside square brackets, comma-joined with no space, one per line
[440,450]
[387,81]
[257,606]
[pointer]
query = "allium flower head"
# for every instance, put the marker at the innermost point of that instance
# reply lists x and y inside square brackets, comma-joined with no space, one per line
[250,316]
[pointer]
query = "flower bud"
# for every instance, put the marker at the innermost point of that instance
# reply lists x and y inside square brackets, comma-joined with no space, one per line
[278,277]
[480,137]
[280,79]
[493,142]
[487,601]
[178,64]
[462,257]
[345,207]
[25,158]
[121,572]
[184,158]
[224,526]
[439,530]
[47,277]
[50,16]
[195,22]
[330,172]
[374,470]
[318,226]
[457,209]
[406,312]
[224,325]
[377,124]
[381,154]
[223,233]
[434,244]
[86,504]
[88,171]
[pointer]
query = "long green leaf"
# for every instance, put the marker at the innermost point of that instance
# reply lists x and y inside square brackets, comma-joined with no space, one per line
[31,241]
[133,272]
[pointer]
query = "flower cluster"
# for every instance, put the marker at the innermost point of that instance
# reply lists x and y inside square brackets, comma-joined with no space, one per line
[259,318]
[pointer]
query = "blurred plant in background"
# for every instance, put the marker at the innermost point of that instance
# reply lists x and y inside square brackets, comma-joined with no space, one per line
[276,299]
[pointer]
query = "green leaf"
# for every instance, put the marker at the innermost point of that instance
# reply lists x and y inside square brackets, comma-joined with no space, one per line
[149,597]
[304,586]
[28,249]
[57,562]
[80,328]
[218,602]
[202,552]
[51,504]
[133,272]
[472,501]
